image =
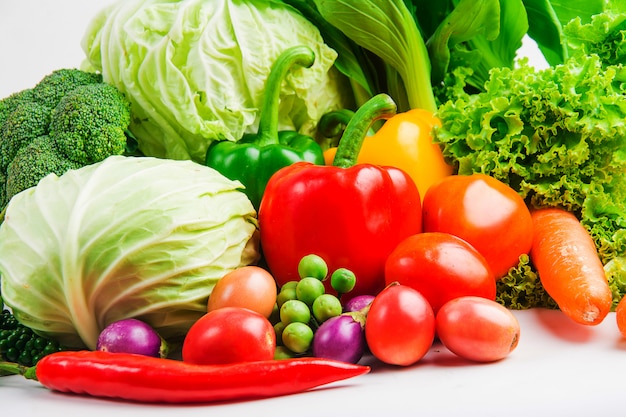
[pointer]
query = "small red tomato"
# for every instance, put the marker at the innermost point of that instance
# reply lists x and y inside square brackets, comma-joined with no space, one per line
[620,316]
[400,326]
[441,267]
[229,335]
[477,329]
[248,287]
[483,211]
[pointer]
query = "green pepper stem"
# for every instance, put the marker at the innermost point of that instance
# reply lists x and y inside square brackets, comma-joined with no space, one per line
[268,123]
[332,123]
[378,107]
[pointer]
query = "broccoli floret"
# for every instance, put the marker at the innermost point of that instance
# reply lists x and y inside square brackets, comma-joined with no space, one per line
[53,87]
[28,121]
[90,123]
[33,162]
[10,103]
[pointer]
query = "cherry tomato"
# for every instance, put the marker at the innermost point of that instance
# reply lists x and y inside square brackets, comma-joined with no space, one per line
[400,326]
[229,335]
[477,329]
[441,267]
[620,316]
[485,212]
[249,287]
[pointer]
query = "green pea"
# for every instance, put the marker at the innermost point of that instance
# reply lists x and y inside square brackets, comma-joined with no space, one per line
[343,280]
[293,311]
[297,337]
[287,292]
[278,330]
[312,266]
[275,314]
[326,306]
[282,352]
[308,289]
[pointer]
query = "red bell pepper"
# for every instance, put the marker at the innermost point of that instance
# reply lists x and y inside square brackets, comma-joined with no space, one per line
[352,215]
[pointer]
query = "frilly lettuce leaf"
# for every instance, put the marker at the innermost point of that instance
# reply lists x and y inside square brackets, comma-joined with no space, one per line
[521,289]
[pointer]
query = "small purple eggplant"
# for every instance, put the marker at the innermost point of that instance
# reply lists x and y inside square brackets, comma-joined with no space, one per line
[132,336]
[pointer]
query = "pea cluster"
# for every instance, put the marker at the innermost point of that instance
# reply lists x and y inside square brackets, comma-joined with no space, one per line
[304,304]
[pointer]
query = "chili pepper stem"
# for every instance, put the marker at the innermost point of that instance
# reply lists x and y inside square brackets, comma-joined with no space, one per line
[378,107]
[268,122]
[11,368]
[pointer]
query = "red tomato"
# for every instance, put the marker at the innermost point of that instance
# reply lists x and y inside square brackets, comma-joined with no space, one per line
[400,326]
[441,267]
[477,329]
[485,212]
[249,287]
[229,335]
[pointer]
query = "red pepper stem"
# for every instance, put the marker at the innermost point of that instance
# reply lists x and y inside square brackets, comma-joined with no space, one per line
[268,123]
[378,107]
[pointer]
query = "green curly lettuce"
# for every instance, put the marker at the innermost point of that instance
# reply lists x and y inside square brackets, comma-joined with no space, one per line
[522,289]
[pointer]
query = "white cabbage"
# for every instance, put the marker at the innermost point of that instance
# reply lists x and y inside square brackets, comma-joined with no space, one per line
[195,70]
[128,237]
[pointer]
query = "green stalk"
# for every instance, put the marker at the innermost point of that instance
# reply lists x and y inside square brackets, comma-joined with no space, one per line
[378,107]
[268,122]
[387,29]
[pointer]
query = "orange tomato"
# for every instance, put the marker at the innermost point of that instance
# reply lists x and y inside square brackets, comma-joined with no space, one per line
[250,287]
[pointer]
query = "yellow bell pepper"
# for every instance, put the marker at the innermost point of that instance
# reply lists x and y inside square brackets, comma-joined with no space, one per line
[405,141]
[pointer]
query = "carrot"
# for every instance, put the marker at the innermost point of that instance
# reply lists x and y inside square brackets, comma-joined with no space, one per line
[568,265]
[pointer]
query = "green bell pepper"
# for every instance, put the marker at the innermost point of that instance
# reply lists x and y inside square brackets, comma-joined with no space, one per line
[256,156]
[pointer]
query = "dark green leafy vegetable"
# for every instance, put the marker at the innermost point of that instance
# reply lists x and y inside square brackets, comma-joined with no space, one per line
[388,30]
[480,35]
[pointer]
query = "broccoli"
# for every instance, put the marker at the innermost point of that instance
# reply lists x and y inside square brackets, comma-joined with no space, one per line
[90,122]
[28,121]
[10,103]
[53,87]
[70,119]
[40,158]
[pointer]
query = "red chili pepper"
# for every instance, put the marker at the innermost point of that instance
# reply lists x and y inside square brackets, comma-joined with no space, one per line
[352,215]
[149,379]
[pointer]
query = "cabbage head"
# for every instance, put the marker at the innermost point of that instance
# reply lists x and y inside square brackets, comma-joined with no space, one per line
[195,70]
[127,237]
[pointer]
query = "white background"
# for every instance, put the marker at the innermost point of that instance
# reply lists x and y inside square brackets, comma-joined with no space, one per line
[559,368]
